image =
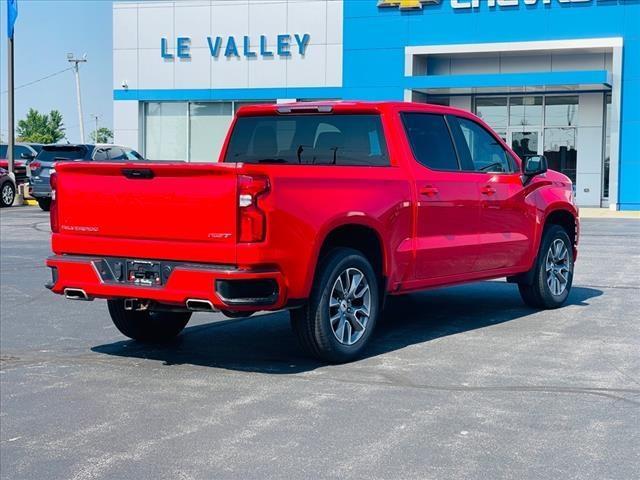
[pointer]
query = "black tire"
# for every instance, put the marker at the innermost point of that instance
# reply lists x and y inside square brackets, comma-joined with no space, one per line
[44,203]
[539,294]
[147,326]
[7,194]
[312,324]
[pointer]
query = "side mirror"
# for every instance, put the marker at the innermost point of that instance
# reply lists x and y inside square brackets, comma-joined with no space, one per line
[27,156]
[532,166]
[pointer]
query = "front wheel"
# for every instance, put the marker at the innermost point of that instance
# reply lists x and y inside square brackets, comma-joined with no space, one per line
[7,194]
[336,323]
[44,203]
[147,326]
[553,271]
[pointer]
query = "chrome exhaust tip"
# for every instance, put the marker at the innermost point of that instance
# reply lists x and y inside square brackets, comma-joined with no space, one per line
[198,305]
[76,294]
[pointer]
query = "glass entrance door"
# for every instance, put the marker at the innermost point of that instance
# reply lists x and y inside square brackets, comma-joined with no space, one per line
[525,142]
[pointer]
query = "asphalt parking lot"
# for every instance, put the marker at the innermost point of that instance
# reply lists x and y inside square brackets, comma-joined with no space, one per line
[464,382]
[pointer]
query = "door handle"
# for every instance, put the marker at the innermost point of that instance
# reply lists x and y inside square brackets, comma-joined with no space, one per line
[487,190]
[429,191]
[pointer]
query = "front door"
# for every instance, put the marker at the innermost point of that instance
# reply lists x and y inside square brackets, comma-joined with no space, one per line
[505,225]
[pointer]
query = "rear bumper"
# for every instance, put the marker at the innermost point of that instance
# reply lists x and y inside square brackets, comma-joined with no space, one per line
[224,286]
[39,188]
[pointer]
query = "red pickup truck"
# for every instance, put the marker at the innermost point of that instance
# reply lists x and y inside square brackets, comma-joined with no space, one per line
[323,209]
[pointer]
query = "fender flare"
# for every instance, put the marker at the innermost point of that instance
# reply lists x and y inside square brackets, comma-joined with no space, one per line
[542,217]
[343,220]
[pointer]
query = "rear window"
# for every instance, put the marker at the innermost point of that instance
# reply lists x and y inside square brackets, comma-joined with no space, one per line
[50,154]
[309,140]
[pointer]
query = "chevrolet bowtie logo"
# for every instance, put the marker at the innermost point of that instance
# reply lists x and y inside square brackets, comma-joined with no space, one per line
[405,4]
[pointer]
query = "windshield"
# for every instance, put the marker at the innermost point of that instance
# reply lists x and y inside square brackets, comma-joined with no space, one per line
[309,140]
[50,154]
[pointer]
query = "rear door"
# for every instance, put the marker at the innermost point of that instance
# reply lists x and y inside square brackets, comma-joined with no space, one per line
[447,205]
[505,225]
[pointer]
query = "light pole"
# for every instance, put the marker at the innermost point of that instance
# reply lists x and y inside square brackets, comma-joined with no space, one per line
[76,61]
[96,117]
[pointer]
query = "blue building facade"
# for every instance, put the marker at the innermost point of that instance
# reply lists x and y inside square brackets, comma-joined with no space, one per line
[559,77]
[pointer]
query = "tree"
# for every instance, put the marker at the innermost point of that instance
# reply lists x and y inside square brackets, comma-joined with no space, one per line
[41,128]
[103,135]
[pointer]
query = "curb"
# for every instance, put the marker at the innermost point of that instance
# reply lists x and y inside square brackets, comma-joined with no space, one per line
[30,202]
[606,213]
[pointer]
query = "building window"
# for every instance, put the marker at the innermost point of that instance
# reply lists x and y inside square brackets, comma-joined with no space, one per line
[560,150]
[208,125]
[561,111]
[525,111]
[494,111]
[166,127]
[438,100]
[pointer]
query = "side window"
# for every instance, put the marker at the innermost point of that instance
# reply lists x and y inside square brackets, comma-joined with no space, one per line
[430,141]
[100,154]
[117,154]
[479,150]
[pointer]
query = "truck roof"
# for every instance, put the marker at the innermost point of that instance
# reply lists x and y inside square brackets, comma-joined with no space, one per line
[344,106]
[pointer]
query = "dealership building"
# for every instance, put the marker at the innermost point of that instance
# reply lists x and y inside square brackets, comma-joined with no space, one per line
[553,77]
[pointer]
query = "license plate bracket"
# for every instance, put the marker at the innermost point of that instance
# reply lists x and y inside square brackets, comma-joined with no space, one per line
[144,273]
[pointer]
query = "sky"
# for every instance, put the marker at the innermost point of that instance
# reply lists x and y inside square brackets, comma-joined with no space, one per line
[46,30]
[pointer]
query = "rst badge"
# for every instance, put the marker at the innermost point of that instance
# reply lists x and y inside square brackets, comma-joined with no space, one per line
[406,4]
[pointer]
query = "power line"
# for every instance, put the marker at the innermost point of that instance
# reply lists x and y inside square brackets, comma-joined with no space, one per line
[38,80]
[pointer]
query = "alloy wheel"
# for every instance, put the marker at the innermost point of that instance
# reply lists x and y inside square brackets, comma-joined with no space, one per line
[7,194]
[557,267]
[350,306]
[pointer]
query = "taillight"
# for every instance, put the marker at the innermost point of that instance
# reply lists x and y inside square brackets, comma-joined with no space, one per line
[251,219]
[53,212]
[35,166]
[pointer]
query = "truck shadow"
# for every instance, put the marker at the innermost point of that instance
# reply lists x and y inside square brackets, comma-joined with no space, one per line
[266,344]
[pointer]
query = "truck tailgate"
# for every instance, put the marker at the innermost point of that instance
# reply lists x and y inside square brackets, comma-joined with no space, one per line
[151,209]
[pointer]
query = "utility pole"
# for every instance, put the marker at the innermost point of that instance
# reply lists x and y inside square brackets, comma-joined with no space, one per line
[96,117]
[11,112]
[12,14]
[76,61]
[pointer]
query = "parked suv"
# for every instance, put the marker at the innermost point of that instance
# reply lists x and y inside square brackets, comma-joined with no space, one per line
[40,167]
[323,209]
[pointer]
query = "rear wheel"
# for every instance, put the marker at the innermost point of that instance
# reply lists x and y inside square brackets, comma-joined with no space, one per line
[44,203]
[553,274]
[147,326]
[7,194]
[336,323]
